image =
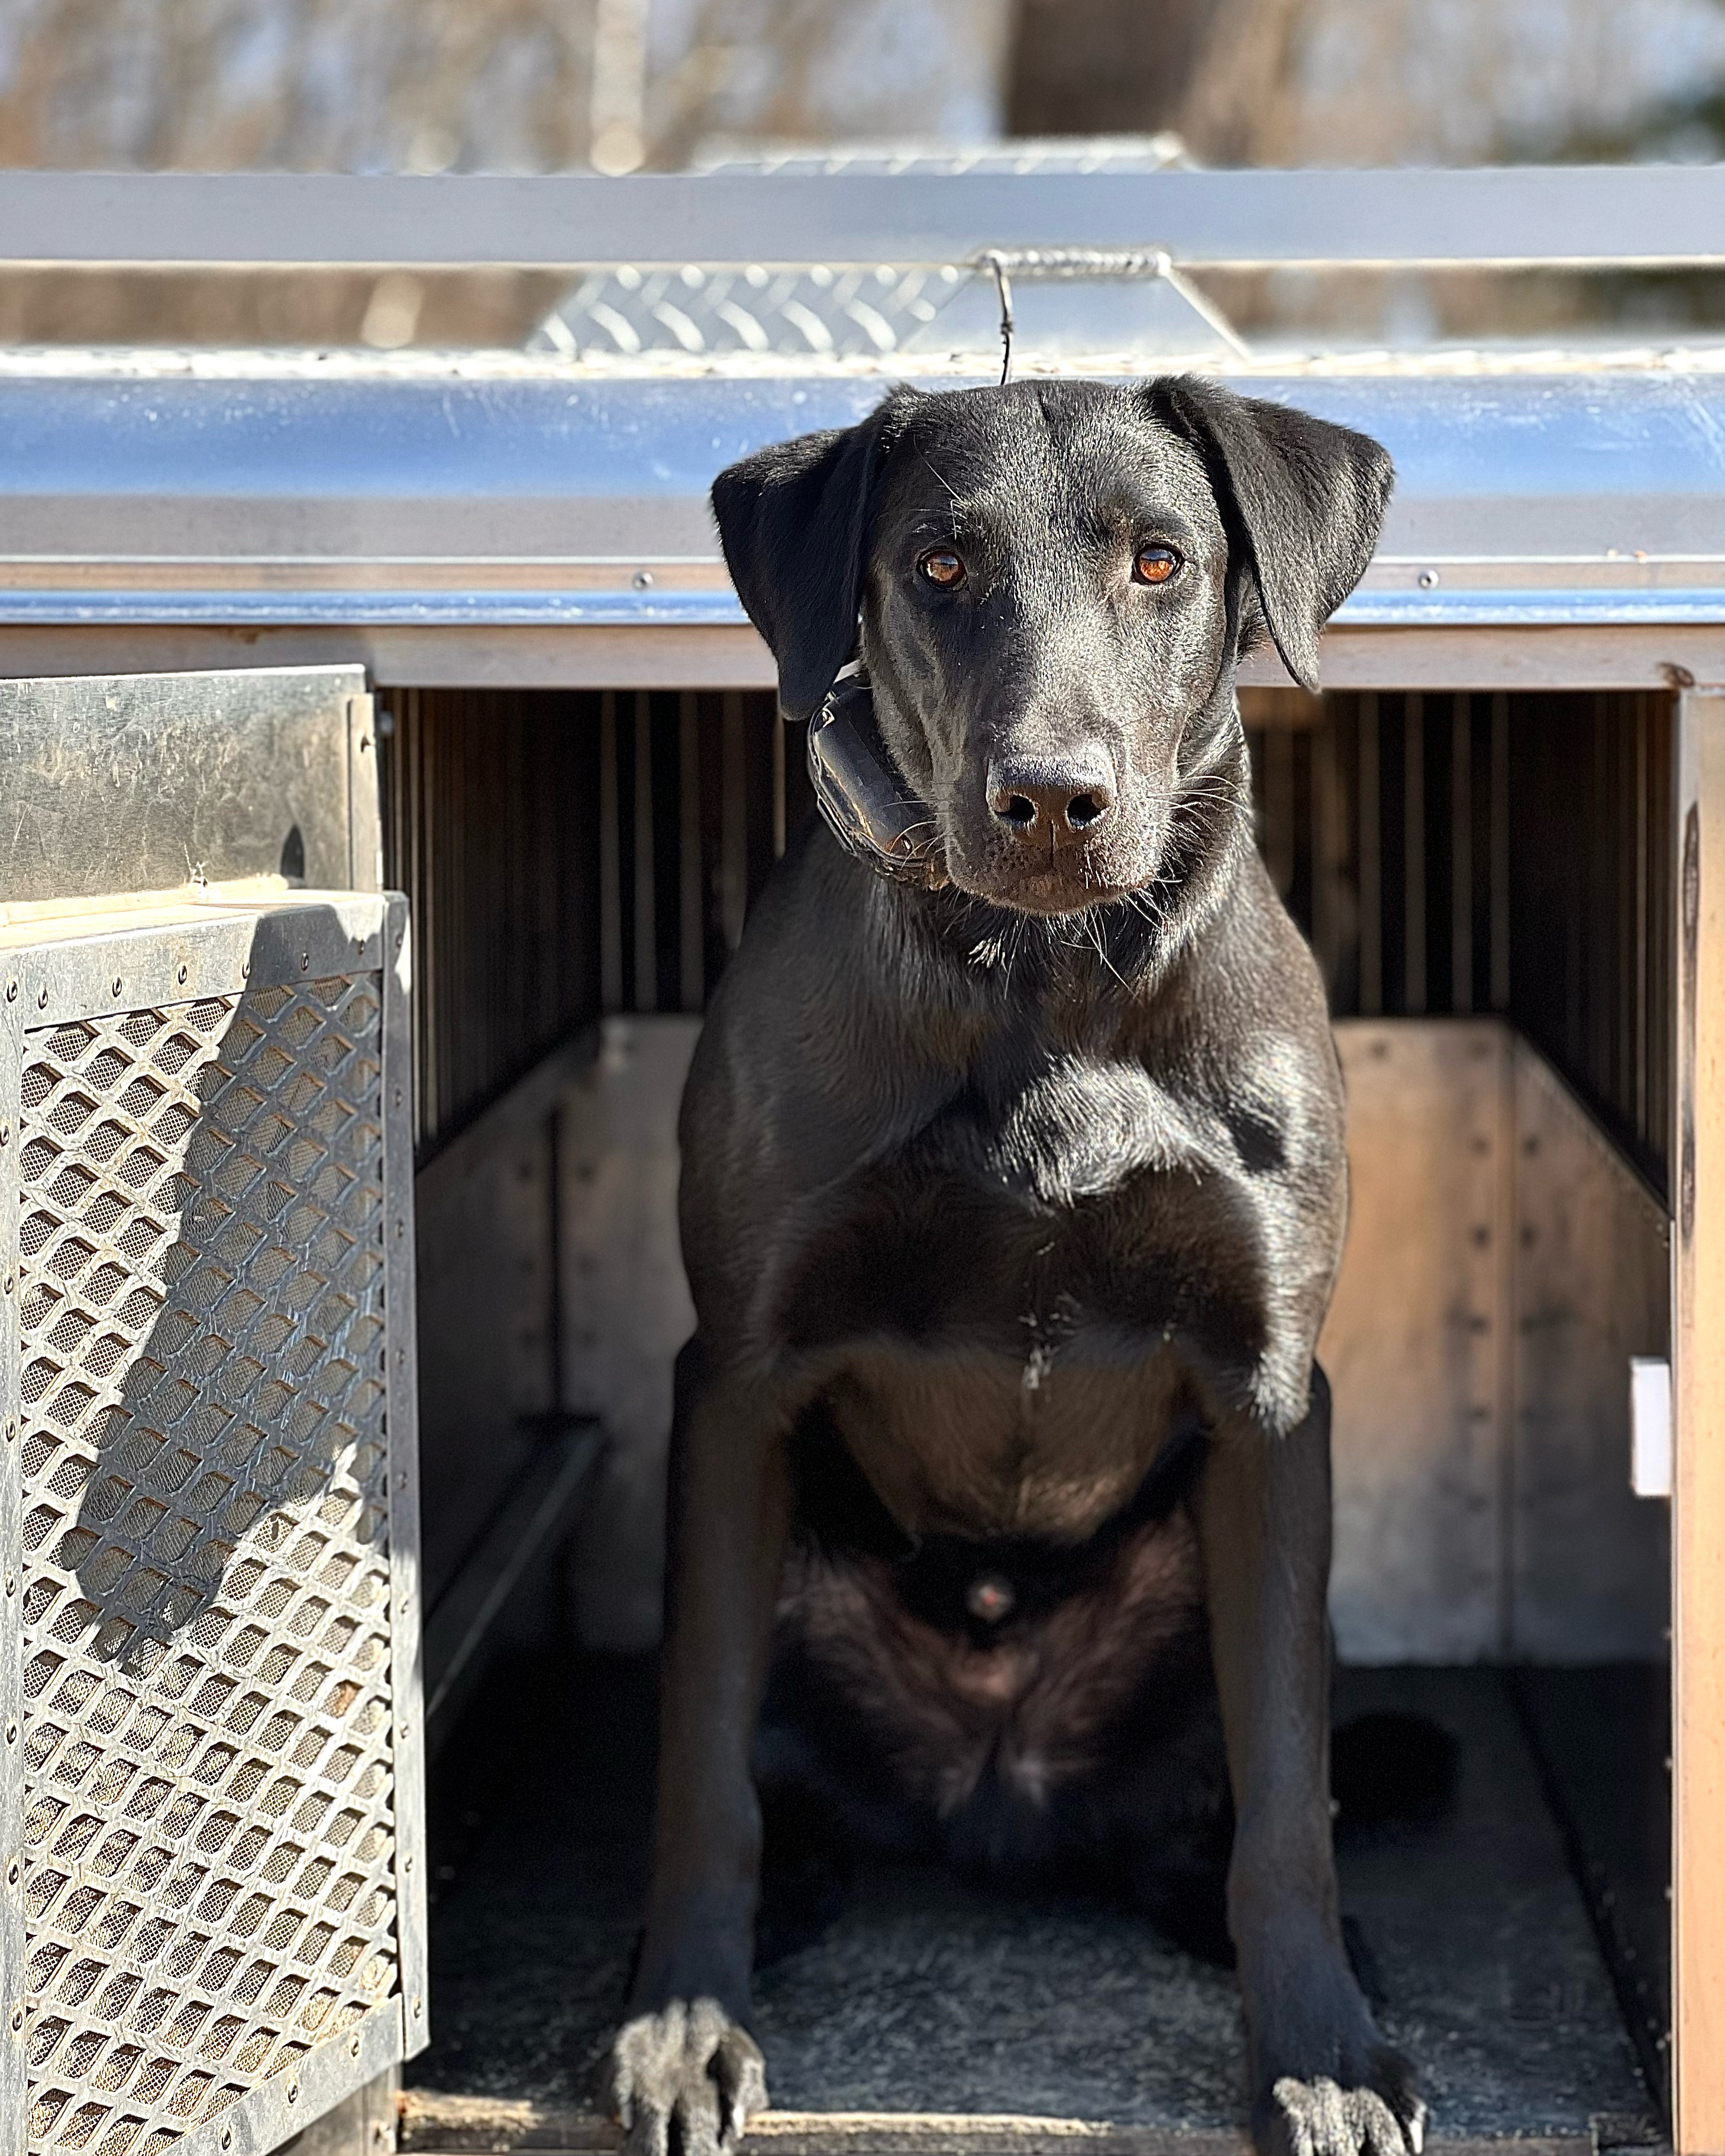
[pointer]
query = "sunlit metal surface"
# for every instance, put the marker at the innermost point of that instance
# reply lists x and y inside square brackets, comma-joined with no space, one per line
[546,495]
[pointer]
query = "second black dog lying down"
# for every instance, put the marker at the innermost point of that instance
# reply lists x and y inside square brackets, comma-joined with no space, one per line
[1013,1187]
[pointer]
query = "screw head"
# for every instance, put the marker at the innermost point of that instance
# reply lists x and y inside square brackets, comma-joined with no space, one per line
[1428,580]
[642,580]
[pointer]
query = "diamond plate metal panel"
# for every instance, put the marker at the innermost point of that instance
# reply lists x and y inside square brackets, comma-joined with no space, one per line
[216,1577]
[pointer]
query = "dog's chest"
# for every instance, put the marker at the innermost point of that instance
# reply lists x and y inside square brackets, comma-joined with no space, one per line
[1013,1297]
[1083,1202]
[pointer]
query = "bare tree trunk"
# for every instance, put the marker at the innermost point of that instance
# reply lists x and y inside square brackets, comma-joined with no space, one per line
[1238,109]
[1215,71]
[1102,67]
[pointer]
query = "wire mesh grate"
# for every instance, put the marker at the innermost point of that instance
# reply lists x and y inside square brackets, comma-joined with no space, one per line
[208,1781]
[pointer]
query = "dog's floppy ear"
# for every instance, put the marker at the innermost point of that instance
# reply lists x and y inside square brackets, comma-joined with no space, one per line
[794,522]
[1303,501]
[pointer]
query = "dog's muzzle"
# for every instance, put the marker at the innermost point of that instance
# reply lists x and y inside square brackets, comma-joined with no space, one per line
[868,807]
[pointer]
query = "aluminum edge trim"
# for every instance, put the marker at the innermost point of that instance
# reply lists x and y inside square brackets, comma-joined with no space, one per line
[1457,608]
[259,2122]
[402,1410]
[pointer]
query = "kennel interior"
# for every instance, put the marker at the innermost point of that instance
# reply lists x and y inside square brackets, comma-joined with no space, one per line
[1498,827]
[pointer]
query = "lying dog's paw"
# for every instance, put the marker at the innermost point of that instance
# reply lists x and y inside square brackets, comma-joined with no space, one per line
[689,2064]
[1319,2118]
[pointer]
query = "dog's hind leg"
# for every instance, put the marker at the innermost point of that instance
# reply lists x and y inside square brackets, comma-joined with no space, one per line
[683,2071]
[1324,2082]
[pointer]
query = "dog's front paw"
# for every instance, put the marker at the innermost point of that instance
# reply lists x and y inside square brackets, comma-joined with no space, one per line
[691,2064]
[1319,2117]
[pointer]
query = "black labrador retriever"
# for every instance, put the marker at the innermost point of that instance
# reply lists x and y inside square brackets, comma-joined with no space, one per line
[1013,1192]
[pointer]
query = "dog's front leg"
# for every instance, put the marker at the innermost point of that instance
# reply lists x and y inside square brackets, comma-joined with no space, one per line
[1324,2082]
[684,2059]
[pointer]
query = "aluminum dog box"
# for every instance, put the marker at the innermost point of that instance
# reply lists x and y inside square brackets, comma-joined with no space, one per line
[1499,826]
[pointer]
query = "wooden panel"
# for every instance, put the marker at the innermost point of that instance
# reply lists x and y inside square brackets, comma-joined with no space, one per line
[1698,1477]
[1414,1345]
[1588,1560]
[486,1307]
[433,2124]
[626,1310]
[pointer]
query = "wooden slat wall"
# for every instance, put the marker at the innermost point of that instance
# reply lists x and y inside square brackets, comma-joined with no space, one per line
[1448,854]
[1462,854]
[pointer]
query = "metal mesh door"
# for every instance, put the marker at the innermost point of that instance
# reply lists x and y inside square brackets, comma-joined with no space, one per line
[212,1574]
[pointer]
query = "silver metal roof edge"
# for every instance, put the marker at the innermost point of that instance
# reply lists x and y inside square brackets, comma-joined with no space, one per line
[1579,216]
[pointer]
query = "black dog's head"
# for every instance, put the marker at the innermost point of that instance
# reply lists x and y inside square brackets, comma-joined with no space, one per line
[1054,581]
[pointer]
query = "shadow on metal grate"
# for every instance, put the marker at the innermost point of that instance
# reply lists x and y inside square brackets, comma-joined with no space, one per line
[207,1827]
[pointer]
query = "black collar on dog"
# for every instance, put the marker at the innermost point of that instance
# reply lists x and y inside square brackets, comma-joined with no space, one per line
[869,809]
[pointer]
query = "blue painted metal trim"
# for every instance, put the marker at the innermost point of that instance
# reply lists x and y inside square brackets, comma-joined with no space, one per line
[670,610]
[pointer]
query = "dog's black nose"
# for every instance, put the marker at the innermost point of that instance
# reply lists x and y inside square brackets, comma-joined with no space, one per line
[1062,803]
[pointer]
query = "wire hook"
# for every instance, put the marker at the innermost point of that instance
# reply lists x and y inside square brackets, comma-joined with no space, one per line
[1002,287]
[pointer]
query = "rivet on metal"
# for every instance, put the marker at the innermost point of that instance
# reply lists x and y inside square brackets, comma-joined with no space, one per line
[10,1429]
[304,961]
[227,2137]
[293,2092]
[353,2047]
[12,992]
[118,985]
[181,975]
[11,1873]
[12,1582]
[418,2010]
[8,1283]
[246,970]
[12,1732]
[1428,580]
[17,2019]
[6,1132]
[41,997]
[643,580]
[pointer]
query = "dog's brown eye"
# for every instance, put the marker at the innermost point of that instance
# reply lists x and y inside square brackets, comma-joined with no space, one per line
[942,566]
[1154,565]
